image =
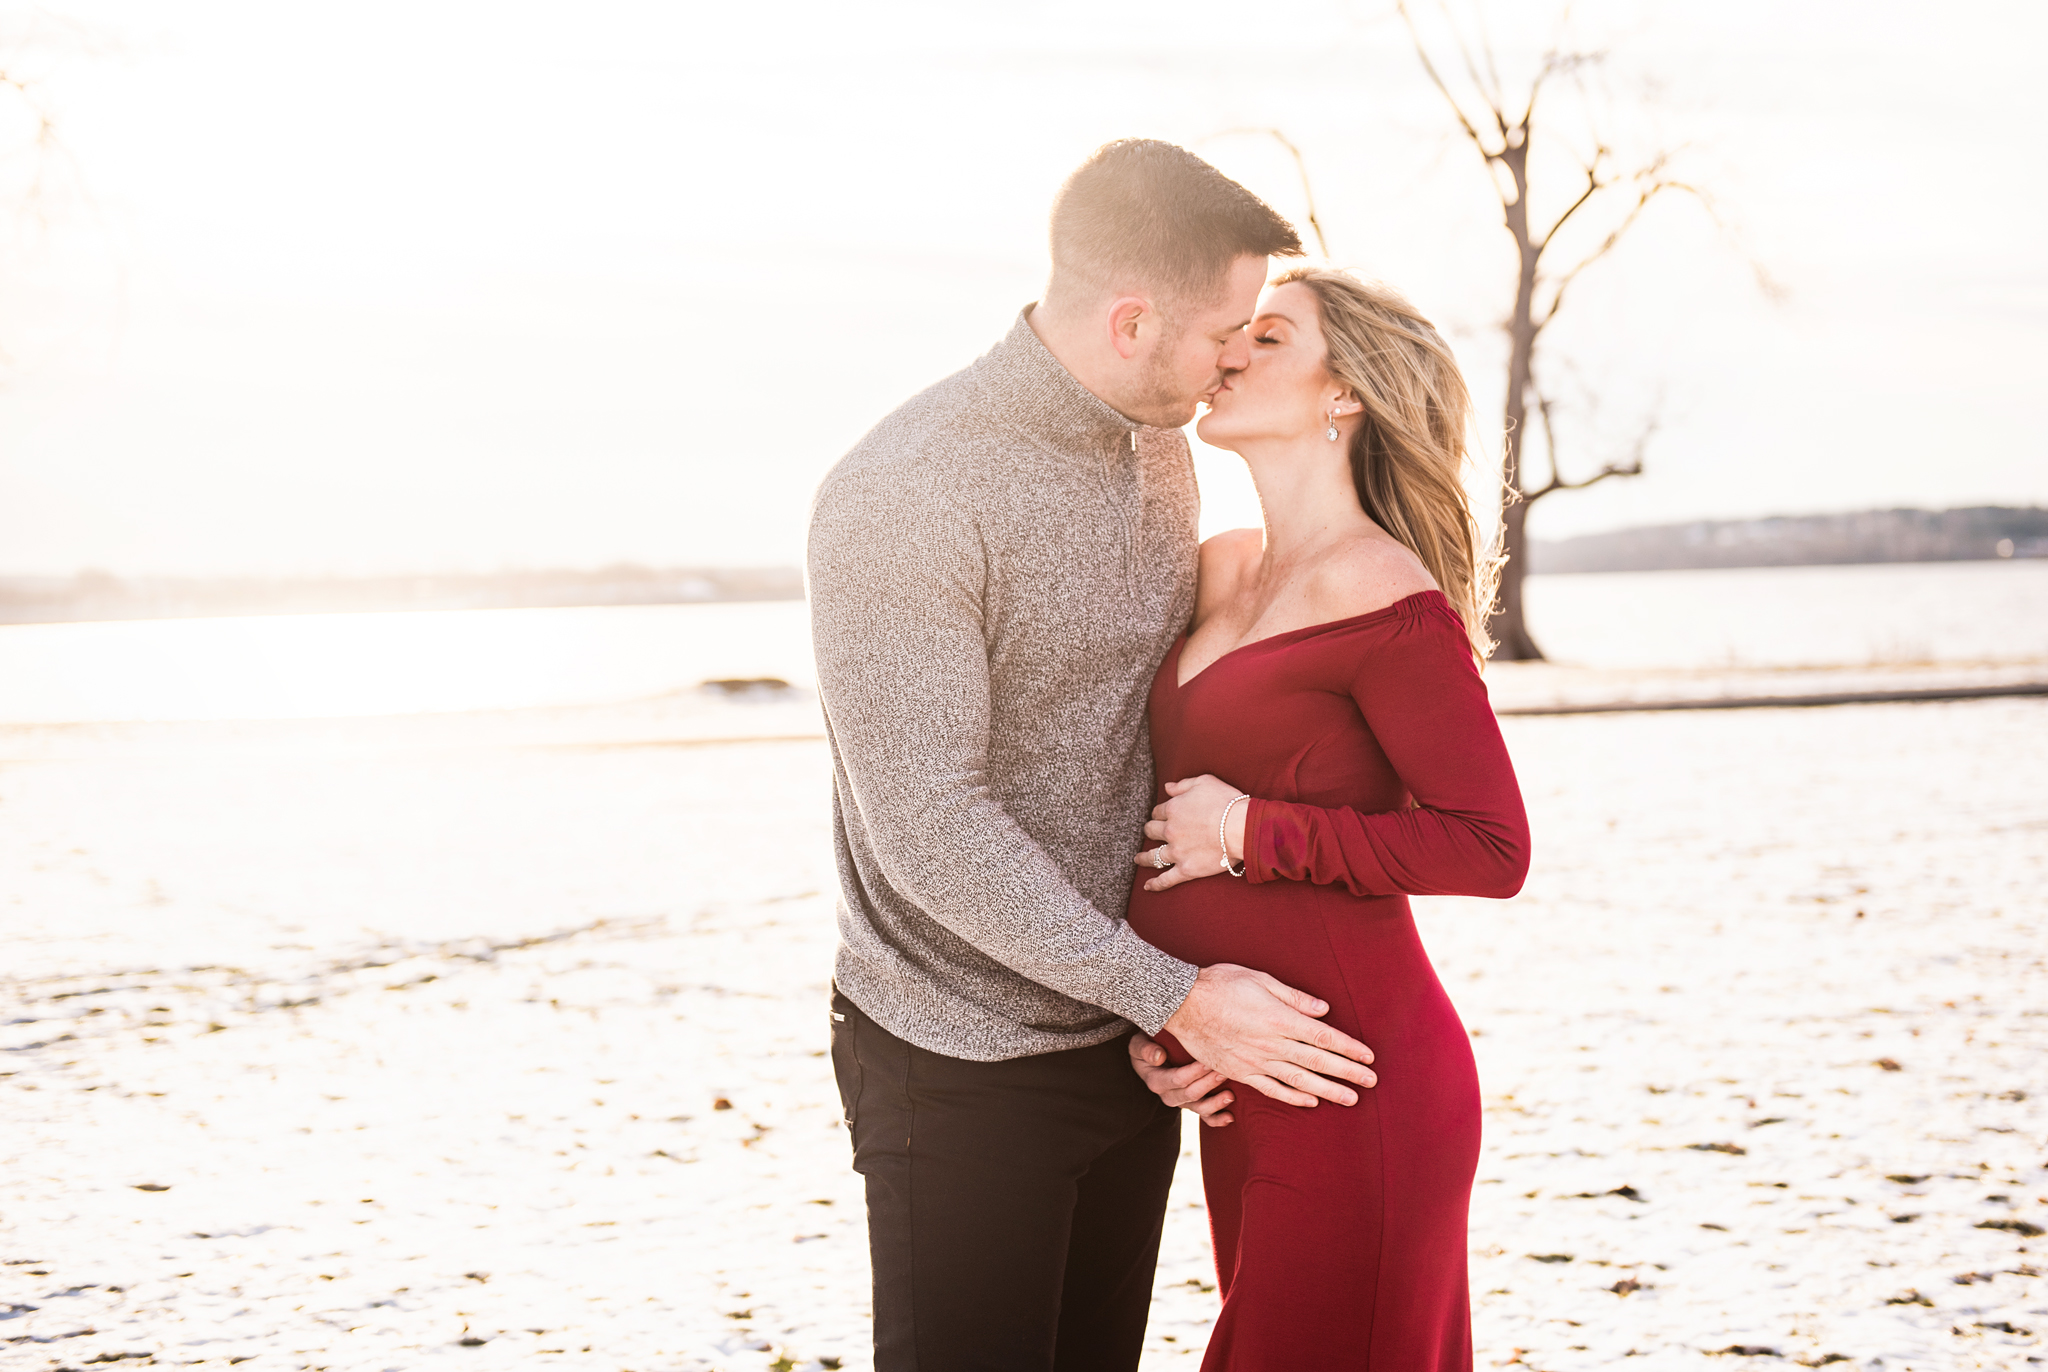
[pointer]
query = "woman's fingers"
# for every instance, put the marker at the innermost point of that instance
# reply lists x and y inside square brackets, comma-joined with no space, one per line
[1174,876]
[1174,788]
[1188,1095]
[1193,1085]
[1145,1049]
[1187,824]
[1145,860]
[1183,1085]
[1188,819]
[1170,876]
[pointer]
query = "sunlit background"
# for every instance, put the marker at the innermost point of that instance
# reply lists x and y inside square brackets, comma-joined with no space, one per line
[420,288]
[411,287]
[443,974]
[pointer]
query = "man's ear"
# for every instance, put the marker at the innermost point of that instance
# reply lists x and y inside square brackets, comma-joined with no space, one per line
[1125,315]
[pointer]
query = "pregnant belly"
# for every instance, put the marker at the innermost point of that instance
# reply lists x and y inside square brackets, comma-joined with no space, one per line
[1361,954]
[1295,925]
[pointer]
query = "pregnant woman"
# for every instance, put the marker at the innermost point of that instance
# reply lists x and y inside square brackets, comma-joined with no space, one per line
[1335,754]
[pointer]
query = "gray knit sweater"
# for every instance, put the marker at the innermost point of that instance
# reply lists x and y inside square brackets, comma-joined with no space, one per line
[995,571]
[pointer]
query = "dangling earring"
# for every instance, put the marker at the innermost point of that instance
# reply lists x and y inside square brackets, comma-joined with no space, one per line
[1331,432]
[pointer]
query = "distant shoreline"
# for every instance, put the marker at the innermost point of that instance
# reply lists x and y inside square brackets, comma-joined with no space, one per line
[1981,533]
[94,596]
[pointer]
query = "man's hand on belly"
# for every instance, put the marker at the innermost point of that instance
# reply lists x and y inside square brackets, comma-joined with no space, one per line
[1255,1029]
[1191,1086]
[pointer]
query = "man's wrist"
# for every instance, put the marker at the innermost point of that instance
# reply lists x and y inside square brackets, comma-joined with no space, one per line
[1192,977]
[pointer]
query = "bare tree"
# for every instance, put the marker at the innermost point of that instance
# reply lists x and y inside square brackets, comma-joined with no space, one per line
[28,127]
[1308,191]
[28,142]
[22,95]
[1503,130]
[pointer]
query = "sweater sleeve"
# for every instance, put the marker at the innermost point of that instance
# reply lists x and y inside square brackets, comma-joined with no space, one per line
[1466,834]
[896,586]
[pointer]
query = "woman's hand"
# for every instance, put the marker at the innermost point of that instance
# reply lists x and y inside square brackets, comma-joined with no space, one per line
[1192,1086]
[1185,825]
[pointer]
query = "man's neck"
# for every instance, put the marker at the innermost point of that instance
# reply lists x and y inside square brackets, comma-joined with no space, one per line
[1070,351]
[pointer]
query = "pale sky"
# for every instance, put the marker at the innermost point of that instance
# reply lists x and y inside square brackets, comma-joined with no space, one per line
[428,286]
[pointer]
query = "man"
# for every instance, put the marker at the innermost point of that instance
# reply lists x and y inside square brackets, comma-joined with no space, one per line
[996,571]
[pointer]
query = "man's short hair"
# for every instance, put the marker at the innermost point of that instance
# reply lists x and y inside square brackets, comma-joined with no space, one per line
[1145,217]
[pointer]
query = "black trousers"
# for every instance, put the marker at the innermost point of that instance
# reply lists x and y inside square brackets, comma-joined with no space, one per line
[1014,1207]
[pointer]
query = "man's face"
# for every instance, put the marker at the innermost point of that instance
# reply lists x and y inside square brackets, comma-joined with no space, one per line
[1202,341]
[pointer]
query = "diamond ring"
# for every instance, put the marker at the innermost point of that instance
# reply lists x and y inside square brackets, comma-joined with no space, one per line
[1159,858]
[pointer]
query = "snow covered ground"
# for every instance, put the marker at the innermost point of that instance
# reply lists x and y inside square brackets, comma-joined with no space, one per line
[492,1041]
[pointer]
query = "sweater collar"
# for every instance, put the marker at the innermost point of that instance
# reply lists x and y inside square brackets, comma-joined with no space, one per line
[1029,389]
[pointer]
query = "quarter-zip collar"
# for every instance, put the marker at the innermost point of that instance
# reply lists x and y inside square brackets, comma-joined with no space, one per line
[1029,389]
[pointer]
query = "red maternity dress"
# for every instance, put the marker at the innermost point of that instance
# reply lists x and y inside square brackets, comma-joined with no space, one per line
[1377,772]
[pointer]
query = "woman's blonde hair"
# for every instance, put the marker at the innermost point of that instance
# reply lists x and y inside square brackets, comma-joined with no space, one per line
[1408,456]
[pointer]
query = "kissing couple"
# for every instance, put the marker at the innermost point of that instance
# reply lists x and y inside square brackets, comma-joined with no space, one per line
[1035,681]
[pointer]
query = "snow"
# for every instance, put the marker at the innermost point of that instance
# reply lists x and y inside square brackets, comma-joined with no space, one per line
[421,1025]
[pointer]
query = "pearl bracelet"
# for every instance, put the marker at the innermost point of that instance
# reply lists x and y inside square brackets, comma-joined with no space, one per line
[1223,839]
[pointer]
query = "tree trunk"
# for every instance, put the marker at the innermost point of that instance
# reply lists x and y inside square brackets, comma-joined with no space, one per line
[1509,628]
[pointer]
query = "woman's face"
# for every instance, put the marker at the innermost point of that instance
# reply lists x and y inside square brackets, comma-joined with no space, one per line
[1283,392]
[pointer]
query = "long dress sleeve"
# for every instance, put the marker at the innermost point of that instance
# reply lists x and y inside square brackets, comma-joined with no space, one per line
[1467,834]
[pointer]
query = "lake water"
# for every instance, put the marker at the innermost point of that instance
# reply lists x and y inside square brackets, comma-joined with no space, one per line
[1875,615]
[319,666]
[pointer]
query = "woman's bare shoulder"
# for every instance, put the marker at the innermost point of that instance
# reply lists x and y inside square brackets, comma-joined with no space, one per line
[1367,573]
[1227,558]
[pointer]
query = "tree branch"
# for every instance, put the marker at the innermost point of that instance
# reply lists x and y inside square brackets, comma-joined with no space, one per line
[24,91]
[1594,185]
[1492,67]
[1607,244]
[1555,62]
[1301,167]
[1632,467]
[1496,101]
[42,141]
[1429,67]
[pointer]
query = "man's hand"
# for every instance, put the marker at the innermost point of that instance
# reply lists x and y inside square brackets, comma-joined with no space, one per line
[1259,1031]
[1189,1087]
